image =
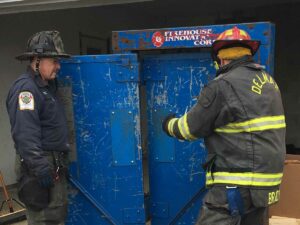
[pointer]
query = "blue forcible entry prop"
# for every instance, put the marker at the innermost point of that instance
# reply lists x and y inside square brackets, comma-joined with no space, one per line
[124,169]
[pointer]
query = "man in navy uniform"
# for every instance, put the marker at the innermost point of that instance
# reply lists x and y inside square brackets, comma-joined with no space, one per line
[39,130]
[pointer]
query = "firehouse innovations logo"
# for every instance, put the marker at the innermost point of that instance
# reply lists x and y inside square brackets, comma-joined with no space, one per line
[200,37]
[158,39]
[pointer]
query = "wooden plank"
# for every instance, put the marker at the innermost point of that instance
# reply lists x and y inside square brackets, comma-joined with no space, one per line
[277,220]
[12,216]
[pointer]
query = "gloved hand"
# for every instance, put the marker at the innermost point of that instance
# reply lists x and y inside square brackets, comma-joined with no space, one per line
[46,180]
[165,123]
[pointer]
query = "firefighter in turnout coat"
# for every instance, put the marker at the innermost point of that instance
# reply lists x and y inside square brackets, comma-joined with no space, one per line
[241,118]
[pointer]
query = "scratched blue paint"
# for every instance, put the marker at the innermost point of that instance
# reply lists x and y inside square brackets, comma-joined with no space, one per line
[99,89]
[174,181]
[162,149]
[122,137]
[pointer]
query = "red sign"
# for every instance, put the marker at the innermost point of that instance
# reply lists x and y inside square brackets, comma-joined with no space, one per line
[199,37]
[158,39]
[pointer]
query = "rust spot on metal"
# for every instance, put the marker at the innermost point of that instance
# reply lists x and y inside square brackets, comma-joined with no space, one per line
[266,33]
[115,35]
[251,26]
[126,41]
[143,44]
[115,44]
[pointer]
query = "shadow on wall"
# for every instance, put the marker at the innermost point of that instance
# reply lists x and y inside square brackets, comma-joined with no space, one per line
[291,149]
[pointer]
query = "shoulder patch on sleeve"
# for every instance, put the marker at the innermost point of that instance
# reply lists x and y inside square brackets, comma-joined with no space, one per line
[207,96]
[26,101]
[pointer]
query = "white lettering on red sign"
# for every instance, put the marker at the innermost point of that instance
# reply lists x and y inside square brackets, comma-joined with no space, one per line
[200,37]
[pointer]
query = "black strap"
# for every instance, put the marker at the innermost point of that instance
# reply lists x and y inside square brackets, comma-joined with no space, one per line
[232,170]
[208,166]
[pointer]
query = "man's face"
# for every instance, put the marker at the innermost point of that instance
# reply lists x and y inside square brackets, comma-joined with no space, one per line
[48,68]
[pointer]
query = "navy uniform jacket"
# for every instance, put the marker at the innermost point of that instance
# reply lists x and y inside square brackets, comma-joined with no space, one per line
[38,122]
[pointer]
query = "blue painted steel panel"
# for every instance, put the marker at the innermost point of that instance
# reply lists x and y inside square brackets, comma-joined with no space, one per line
[103,191]
[163,149]
[173,183]
[122,126]
[195,37]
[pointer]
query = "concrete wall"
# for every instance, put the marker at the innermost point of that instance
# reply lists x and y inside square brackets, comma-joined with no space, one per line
[287,67]
[15,30]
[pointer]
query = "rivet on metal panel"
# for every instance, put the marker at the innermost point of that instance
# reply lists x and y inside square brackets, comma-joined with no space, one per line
[129,112]
[155,110]
[112,112]
[132,161]
[172,158]
[131,78]
[116,162]
[131,67]
[156,158]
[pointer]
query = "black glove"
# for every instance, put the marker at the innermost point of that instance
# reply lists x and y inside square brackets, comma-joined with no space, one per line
[165,123]
[45,180]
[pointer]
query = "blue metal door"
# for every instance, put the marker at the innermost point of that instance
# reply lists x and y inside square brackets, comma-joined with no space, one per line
[106,171]
[173,83]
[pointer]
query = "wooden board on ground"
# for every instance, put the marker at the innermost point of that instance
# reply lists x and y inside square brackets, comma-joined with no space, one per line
[12,216]
[277,220]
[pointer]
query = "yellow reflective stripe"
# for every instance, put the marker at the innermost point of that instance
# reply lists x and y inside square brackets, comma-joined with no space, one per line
[228,32]
[171,126]
[184,128]
[253,129]
[258,120]
[258,124]
[243,33]
[250,179]
[246,183]
[247,174]
[181,127]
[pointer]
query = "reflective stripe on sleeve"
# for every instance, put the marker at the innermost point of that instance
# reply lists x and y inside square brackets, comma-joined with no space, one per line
[246,179]
[258,124]
[184,128]
[171,126]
